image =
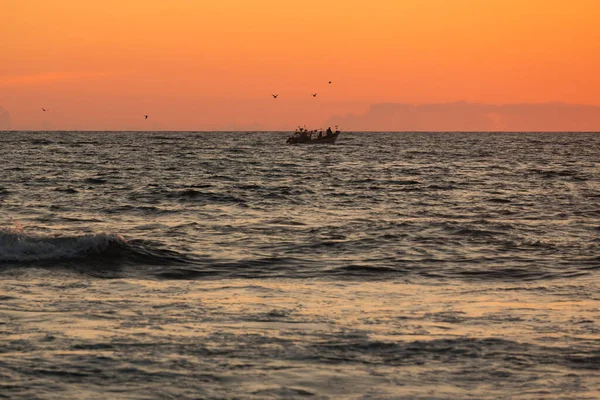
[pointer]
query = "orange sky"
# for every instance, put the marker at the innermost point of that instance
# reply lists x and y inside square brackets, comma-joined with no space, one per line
[199,64]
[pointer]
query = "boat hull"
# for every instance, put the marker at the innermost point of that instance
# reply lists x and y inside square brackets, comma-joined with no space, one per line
[322,140]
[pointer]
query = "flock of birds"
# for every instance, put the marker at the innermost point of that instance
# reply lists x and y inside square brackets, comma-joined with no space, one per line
[146,117]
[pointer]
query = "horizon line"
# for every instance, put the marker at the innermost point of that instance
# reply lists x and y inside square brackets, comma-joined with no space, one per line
[275,131]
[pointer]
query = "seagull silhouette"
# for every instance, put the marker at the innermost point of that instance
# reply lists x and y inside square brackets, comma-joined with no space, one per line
[146,117]
[44,110]
[314,94]
[274,95]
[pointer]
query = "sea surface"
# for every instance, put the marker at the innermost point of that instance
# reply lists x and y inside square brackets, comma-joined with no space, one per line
[220,265]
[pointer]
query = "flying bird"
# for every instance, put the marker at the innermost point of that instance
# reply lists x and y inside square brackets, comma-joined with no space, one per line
[314,94]
[146,117]
[274,95]
[44,110]
[330,82]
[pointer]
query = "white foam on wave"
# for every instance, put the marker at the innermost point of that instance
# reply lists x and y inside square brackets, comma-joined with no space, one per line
[16,246]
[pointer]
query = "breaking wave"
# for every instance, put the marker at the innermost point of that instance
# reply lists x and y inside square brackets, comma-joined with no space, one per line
[110,251]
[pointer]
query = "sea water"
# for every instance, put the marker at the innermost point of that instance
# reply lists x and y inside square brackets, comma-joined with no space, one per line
[185,265]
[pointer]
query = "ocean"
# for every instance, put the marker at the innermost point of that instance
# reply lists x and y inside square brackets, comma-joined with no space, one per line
[228,265]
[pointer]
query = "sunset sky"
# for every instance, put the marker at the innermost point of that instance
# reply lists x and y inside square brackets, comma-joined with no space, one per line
[204,65]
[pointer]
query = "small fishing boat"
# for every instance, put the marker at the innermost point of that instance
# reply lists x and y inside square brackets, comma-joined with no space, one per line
[304,138]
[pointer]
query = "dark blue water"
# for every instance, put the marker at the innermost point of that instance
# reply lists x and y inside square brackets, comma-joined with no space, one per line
[433,265]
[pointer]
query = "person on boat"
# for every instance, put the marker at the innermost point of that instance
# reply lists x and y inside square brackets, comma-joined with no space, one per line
[320,134]
[329,133]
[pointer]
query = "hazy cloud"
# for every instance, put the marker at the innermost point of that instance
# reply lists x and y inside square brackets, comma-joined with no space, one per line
[5,120]
[463,116]
[50,77]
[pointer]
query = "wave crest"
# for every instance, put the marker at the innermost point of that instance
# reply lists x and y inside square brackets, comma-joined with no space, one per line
[100,255]
[17,247]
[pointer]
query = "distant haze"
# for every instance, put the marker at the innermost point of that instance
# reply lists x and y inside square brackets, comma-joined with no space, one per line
[5,120]
[457,116]
[462,116]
